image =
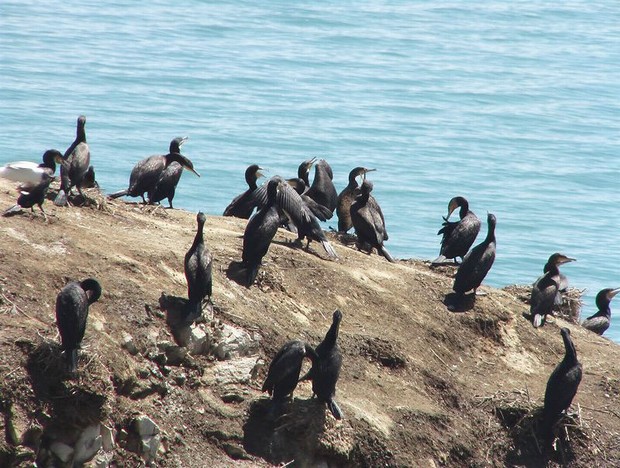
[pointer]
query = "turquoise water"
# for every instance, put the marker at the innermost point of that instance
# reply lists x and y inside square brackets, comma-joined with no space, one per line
[512,104]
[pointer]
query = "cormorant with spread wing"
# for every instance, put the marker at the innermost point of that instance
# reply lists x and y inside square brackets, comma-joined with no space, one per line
[458,236]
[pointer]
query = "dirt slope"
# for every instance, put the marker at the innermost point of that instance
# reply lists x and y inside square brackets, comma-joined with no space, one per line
[420,386]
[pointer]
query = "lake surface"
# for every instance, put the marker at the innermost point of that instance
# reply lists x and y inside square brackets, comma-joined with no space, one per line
[513,105]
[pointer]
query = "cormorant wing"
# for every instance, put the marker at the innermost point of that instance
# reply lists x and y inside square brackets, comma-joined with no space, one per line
[289,201]
[321,212]
[24,172]
[286,363]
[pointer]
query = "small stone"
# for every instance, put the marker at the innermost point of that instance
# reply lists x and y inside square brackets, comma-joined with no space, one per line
[199,342]
[62,451]
[145,426]
[150,446]
[176,355]
[232,398]
[180,379]
[128,344]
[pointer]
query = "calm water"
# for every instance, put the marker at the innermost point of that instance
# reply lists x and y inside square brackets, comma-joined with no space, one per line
[511,104]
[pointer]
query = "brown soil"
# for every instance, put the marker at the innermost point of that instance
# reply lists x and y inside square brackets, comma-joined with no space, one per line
[420,386]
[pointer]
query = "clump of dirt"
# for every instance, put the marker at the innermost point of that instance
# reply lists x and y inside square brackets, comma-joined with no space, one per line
[420,385]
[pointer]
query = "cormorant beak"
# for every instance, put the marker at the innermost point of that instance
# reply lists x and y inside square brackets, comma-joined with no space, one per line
[611,294]
[193,170]
[183,140]
[563,260]
[366,171]
[259,173]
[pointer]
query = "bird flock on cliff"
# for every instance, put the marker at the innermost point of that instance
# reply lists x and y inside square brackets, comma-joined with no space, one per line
[299,206]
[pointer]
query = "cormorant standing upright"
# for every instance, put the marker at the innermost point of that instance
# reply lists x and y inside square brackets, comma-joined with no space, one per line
[599,322]
[458,236]
[75,164]
[477,263]
[147,173]
[71,314]
[198,270]
[242,205]
[260,230]
[284,370]
[325,368]
[35,180]
[347,197]
[322,189]
[369,222]
[545,289]
[561,387]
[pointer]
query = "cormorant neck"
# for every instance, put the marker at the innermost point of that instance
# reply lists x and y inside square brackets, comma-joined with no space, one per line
[81,134]
[464,210]
[571,354]
[491,233]
[332,333]
[174,157]
[251,181]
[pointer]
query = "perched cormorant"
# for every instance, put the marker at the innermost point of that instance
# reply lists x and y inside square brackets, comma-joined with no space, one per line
[322,189]
[545,289]
[284,370]
[458,236]
[198,265]
[347,197]
[599,322]
[307,224]
[243,204]
[260,230]
[369,222]
[75,164]
[325,368]
[71,313]
[561,387]
[147,173]
[34,181]
[477,263]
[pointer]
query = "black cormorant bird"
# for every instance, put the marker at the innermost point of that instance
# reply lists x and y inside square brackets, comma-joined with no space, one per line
[34,181]
[326,366]
[458,236]
[71,314]
[347,197]
[198,270]
[147,173]
[545,289]
[561,387]
[284,370]
[477,263]
[307,224]
[322,189]
[369,222]
[75,164]
[599,322]
[243,204]
[260,230]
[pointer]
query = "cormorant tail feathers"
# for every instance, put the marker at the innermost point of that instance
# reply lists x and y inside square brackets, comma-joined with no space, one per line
[335,409]
[61,198]
[15,209]
[329,249]
[72,357]
[386,254]
[118,194]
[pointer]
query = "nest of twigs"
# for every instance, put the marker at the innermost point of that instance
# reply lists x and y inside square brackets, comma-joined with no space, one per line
[569,309]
